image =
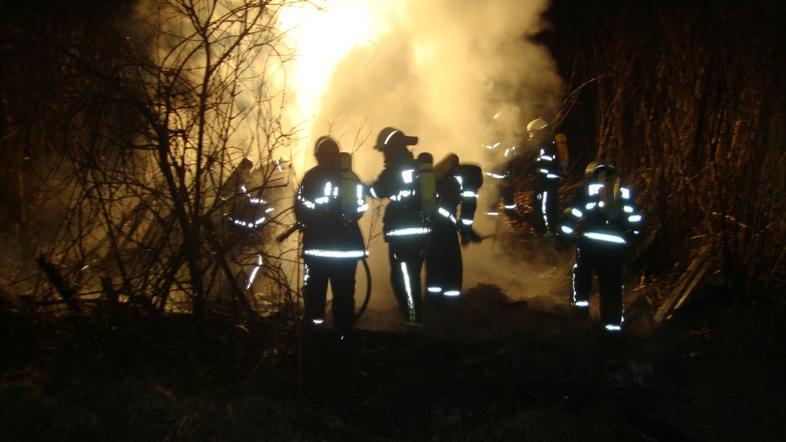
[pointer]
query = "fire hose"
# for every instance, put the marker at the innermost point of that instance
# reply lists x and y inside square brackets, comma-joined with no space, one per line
[359,313]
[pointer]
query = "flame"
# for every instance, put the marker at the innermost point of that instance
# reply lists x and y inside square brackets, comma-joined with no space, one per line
[322,35]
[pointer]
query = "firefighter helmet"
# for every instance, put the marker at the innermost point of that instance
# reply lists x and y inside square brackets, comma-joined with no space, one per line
[536,125]
[325,145]
[392,137]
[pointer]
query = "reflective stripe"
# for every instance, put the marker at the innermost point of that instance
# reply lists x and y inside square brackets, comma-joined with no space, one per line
[546,158]
[443,212]
[605,237]
[408,288]
[566,229]
[467,222]
[492,213]
[408,175]
[495,175]
[452,293]
[459,179]
[359,191]
[269,209]
[322,200]
[507,151]
[510,206]
[634,218]
[387,138]
[328,188]
[253,275]
[363,208]
[552,176]
[589,206]
[594,188]
[317,321]
[259,221]
[544,210]
[577,213]
[257,201]
[373,192]
[581,304]
[434,289]
[469,194]
[627,209]
[625,192]
[336,253]
[409,231]
[543,171]
[613,327]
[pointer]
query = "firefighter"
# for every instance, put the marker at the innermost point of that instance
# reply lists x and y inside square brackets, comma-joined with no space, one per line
[551,165]
[456,184]
[503,173]
[407,219]
[328,204]
[603,219]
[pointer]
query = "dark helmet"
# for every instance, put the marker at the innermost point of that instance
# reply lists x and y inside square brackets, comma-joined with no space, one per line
[392,137]
[325,145]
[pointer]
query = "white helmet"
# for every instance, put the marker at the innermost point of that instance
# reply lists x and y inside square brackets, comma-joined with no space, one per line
[536,125]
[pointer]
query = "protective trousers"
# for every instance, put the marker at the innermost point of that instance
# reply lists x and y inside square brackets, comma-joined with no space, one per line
[443,260]
[546,203]
[341,274]
[608,260]
[406,261]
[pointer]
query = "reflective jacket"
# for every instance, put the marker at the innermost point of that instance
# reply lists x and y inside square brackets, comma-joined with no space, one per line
[547,162]
[403,214]
[327,232]
[588,219]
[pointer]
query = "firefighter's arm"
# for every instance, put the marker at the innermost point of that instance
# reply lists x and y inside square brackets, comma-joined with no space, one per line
[384,186]
[354,205]
[633,217]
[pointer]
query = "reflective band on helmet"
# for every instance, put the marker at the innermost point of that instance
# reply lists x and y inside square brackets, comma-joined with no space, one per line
[409,231]
[605,237]
[387,138]
[336,253]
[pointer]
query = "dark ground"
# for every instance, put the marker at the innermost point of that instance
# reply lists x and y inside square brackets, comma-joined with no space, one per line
[531,375]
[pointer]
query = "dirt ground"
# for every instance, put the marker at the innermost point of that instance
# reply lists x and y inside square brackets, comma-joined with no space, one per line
[482,369]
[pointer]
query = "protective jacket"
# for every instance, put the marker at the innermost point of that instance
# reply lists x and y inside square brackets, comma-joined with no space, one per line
[398,182]
[327,232]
